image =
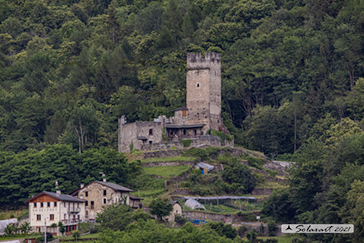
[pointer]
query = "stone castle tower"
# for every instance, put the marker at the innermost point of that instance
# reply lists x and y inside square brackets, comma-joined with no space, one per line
[204,90]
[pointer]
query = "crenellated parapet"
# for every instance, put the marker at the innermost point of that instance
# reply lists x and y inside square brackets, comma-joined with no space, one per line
[196,61]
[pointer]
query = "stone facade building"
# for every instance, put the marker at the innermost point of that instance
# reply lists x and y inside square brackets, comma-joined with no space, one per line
[99,194]
[193,121]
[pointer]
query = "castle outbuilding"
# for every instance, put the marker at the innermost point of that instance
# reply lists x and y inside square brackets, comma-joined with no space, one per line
[192,124]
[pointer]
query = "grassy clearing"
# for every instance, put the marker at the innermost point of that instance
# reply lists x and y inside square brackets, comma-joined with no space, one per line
[20,236]
[148,187]
[168,159]
[166,171]
[13,214]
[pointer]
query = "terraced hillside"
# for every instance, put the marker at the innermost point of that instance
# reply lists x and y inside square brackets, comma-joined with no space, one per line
[176,176]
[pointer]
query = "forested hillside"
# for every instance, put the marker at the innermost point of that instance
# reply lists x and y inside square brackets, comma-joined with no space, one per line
[292,80]
[70,68]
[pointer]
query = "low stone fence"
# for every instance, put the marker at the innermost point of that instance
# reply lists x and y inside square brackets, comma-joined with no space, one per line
[180,192]
[224,218]
[163,153]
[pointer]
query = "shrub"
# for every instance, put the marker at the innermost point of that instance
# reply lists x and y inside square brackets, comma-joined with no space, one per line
[272,228]
[186,142]
[260,178]
[252,236]
[256,162]
[197,152]
[271,241]
[76,234]
[131,146]
[180,219]
[241,175]
[242,230]
[272,173]
[227,160]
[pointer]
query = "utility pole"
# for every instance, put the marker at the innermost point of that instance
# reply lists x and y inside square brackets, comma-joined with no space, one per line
[45,230]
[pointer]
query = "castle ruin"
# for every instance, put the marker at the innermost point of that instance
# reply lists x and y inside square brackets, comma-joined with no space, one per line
[191,122]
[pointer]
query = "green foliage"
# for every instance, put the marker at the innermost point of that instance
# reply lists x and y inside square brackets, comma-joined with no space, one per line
[186,142]
[223,229]
[241,175]
[131,147]
[76,234]
[61,227]
[22,175]
[272,228]
[197,152]
[151,231]
[86,227]
[115,217]
[10,230]
[256,162]
[167,171]
[259,177]
[252,235]
[26,228]
[161,207]
[180,219]
[272,173]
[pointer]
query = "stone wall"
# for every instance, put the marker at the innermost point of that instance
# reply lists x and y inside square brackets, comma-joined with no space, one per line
[225,218]
[163,153]
[130,132]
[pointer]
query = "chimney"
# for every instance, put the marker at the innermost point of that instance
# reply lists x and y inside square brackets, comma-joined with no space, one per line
[82,185]
[57,190]
[103,176]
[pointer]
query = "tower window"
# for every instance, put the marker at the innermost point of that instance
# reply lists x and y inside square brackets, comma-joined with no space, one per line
[198,85]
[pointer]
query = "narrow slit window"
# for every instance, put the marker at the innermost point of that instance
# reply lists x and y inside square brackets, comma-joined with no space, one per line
[198,85]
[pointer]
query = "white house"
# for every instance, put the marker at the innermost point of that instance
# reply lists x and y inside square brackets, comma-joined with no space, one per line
[49,208]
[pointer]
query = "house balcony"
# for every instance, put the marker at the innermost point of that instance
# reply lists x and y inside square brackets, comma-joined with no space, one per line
[66,222]
[74,210]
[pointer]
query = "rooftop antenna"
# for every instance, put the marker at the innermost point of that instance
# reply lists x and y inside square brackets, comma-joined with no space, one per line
[103,176]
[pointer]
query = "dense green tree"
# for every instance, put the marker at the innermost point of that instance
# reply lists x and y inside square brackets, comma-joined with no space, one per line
[115,217]
[280,207]
[161,207]
[241,175]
